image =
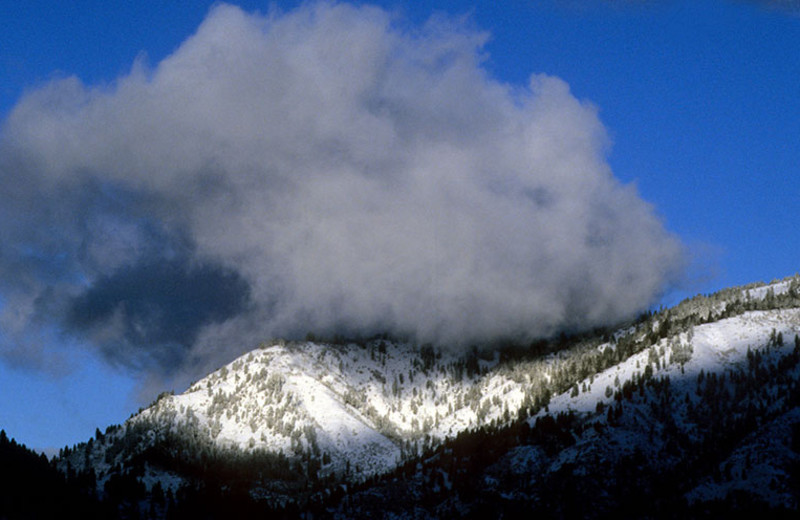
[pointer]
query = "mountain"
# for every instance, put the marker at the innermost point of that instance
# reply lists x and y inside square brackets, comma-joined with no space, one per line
[689,411]
[31,487]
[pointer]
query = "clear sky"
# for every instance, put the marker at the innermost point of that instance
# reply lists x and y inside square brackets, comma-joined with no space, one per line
[700,100]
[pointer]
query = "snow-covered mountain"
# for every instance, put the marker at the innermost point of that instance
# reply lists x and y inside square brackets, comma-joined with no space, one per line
[358,409]
[294,420]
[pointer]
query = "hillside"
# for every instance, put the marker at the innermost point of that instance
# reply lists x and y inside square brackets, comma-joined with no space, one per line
[695,405]
[31,487]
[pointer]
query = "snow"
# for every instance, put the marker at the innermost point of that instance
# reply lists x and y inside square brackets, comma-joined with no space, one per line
[357,404]
[715,346]
[364,406]
[759,293]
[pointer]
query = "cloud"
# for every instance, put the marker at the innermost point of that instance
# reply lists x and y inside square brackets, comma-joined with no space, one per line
[327,169]
[155,309]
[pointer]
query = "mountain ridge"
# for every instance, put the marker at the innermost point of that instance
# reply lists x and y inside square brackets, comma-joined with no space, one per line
[317,416]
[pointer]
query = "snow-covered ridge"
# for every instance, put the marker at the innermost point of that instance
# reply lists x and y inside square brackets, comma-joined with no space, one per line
[710,347]
[361,409]
[730,347]
[362,405]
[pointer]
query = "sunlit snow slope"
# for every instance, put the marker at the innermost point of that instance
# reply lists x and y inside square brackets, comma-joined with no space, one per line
[361,409]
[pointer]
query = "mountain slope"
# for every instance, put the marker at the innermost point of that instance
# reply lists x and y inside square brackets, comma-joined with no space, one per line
[719,435]
[290,421]
[31,487]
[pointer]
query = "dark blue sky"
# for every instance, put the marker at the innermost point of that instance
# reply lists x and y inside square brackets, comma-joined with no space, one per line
[701,100]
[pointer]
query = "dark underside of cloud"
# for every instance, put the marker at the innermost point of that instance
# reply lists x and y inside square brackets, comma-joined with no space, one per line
[158,309]
[327,169]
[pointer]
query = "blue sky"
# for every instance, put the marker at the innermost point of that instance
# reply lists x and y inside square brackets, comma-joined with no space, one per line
[701,100]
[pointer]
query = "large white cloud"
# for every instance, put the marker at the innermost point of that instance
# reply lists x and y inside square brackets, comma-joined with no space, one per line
[342,173]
